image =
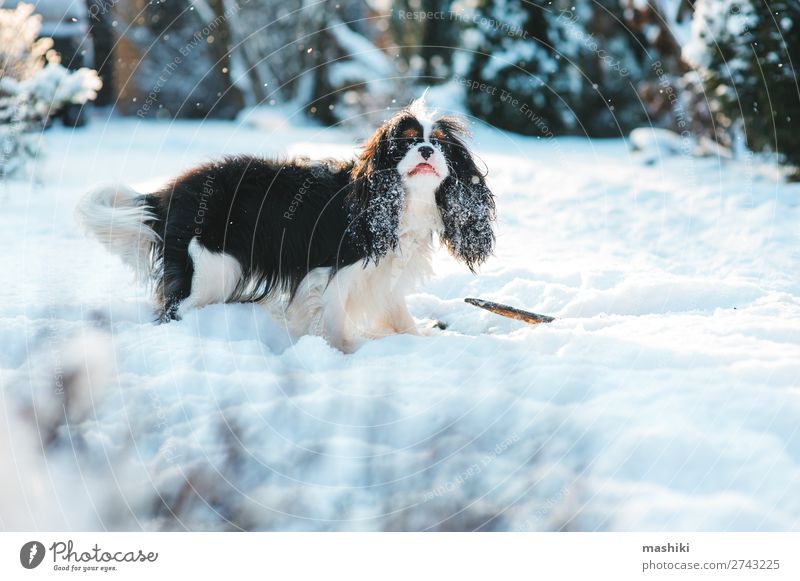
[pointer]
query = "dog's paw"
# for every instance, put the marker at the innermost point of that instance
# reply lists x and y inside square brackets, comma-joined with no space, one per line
[430,328]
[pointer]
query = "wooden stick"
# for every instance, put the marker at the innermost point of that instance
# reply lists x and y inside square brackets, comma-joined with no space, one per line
[510,312]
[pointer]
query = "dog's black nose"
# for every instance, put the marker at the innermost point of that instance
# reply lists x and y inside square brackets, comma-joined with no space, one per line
[426,151]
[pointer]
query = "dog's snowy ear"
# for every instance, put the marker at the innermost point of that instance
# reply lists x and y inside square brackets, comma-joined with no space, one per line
[465,201]
[376,198]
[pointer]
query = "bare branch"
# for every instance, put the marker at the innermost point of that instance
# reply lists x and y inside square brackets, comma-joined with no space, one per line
[510,312]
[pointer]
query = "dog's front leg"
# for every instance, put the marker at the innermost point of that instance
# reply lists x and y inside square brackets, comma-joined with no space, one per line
[400,319]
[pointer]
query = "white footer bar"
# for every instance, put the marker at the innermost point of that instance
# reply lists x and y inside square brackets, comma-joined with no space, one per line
[401,556]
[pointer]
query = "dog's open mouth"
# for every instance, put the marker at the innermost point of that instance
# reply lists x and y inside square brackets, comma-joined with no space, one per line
[423,169]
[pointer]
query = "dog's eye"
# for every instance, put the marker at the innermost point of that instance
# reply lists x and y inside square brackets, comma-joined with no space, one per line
[438,135]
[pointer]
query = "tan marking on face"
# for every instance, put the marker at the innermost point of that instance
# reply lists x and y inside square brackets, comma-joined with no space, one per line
[437,134]
[410,134]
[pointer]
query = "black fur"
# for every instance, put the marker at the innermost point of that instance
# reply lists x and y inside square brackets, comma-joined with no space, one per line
[465,202]
[278,220]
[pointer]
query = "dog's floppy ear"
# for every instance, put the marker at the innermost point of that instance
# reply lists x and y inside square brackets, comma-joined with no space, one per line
[375,200]
[465,202]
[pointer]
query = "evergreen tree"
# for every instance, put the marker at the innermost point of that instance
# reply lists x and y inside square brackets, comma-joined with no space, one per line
[571,67]
[747,53]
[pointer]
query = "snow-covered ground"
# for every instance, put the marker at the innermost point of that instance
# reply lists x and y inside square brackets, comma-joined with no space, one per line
[666,396]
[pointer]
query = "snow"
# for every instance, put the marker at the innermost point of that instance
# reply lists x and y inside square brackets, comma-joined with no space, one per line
[664,397]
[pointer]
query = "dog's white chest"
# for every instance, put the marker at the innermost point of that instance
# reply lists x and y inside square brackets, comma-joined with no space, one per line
[420,218]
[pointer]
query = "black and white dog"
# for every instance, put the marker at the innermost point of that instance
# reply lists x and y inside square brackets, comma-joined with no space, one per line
[343,242]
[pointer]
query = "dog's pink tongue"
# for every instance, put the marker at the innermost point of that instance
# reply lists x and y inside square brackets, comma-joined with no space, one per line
[424,168]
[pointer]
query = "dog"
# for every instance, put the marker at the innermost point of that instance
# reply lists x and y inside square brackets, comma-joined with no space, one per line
[343,242]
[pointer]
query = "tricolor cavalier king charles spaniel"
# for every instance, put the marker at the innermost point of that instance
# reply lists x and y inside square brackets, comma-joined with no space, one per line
[343,242]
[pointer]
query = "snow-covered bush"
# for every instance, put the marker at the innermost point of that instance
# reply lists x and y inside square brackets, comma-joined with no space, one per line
[21,53]
[744,51]
[33,85]
[21,56]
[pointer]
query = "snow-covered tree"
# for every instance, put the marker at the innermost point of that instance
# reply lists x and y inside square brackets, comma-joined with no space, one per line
[565,67]
[175,59]
[33,86]
[213,57]
[747,53]
[326,58]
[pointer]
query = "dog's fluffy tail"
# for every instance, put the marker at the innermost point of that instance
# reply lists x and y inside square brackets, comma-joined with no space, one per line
[123,220]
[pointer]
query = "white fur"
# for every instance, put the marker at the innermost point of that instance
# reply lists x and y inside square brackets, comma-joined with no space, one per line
[369,301]
[424,114]
[360,302]
[215,277]
[113,215]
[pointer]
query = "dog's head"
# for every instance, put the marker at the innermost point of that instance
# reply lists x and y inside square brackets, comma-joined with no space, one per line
[416,149]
